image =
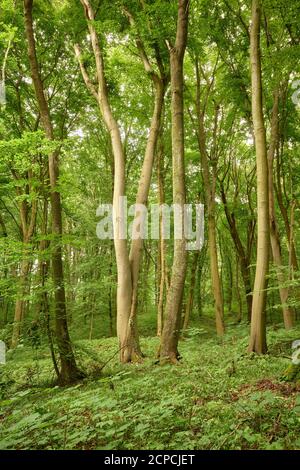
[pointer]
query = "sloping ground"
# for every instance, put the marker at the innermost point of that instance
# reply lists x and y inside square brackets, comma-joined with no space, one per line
[218,397]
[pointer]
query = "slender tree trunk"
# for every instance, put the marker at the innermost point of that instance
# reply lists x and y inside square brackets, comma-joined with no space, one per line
[69,371]
[190,300]
[128,265]
[288,313]
[209,189]
[142,197]
[43,265]
[124,280]
[237,288]
[258,341]
[91,323]
[245,270]
[171,328]
[293,265]
[214,268]
[201,280]
[284,214]
[212,239]
[3,300]
[110,294]
[43,308]
[20,302]
[162,245]
[5,312]
[25,268]
[244,256]
[230,286]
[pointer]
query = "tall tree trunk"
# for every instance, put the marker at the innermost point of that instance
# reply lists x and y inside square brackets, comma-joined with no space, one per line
[20,302]
[171,328]
[237,288]
[230,287]
[190,300]
[43,264]
[42,307]
[163,282]
[110,293]
[69,371]
[288,313]
[209,187]
[124,280]
[128,265]
[284,212]
[258,341]
[244,255]
[3,301]
[141,198]
[201,280]
[28,227]
[293,265]
[214,269]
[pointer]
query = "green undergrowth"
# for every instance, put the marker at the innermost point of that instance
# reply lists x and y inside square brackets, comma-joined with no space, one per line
[217,397]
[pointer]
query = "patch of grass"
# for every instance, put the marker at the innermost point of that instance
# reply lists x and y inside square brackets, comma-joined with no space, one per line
[218,397]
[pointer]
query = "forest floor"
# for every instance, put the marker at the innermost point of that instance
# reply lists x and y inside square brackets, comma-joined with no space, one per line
[218,397]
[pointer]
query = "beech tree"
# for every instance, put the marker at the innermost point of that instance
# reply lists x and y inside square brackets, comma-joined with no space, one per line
[127,263]
[69,371]
[258,320]
[171,328]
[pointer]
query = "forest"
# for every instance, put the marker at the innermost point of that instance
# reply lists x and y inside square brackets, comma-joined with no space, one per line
[149,225]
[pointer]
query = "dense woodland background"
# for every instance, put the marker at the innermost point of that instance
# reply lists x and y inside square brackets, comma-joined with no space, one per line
[164,101]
